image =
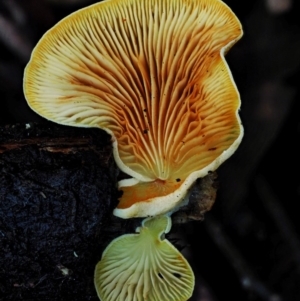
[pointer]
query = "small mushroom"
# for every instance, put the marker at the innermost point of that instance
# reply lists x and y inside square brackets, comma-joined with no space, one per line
[144,266]
[152,74]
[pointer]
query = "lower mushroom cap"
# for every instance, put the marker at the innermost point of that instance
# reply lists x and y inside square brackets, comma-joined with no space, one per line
[153,75]
[144,266]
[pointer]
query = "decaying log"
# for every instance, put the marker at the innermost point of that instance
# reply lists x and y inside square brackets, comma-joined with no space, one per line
[57,187]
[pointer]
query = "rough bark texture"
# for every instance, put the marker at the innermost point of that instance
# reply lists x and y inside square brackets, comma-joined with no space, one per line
[57,187]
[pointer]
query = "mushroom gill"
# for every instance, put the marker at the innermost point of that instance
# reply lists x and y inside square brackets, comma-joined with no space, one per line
[144,266]
[152,74]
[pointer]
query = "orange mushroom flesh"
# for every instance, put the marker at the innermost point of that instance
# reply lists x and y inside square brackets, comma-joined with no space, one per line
[152,74]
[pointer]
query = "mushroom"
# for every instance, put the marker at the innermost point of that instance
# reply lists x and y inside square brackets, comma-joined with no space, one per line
[152,74]
[144,266]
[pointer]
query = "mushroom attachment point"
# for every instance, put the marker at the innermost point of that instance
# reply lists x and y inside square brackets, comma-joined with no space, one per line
[144,266]
[152,74]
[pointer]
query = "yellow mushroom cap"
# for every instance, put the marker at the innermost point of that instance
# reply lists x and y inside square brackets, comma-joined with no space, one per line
[144,266]
[152,74]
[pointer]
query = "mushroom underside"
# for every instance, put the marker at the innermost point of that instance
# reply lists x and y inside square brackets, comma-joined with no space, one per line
[144,266]
[153,75]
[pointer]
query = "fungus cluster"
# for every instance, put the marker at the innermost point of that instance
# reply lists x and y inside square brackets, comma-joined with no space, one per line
[152,74]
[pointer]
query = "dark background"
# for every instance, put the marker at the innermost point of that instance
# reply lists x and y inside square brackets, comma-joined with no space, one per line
[248,246]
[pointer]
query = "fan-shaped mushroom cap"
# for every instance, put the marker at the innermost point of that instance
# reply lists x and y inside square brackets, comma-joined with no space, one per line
[152,74]
[144,266]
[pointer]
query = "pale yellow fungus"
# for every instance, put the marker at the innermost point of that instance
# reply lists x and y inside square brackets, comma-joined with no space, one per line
[144,266]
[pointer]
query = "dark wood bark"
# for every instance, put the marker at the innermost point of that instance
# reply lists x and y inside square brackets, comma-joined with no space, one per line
[57,193]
